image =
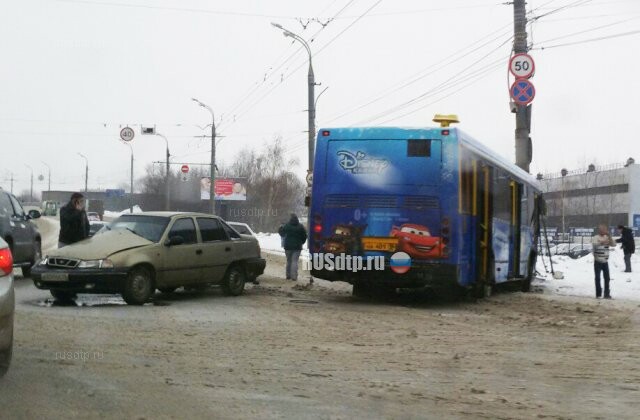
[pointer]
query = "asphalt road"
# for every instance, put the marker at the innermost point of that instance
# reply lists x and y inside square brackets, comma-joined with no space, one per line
[280,351]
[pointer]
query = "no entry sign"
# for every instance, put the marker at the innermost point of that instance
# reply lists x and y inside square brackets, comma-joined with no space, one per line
[184,169]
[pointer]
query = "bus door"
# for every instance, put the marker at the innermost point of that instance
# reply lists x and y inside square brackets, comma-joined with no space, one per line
[515,245]
[482,203]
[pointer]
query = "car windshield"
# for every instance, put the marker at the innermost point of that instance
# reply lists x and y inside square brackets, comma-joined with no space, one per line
[149,227]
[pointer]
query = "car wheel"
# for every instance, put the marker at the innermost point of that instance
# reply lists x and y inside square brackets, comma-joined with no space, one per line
[138,287]
[63,295]
[5,357]
[234,281]
[37,256]
[167,289]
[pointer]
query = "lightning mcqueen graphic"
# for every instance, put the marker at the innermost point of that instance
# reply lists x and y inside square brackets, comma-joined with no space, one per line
[416,240]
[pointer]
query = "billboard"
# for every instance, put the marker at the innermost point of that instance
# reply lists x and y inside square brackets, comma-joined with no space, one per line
[226,189]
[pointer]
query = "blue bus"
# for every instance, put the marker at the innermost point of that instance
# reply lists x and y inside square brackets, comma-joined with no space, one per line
[442,209]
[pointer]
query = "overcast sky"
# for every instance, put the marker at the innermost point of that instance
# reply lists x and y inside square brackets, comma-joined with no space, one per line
[72,73]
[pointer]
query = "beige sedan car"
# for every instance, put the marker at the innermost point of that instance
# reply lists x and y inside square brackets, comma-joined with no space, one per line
[138,253]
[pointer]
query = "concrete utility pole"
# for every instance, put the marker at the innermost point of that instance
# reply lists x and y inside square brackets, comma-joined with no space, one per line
[212,195]
[167,196]
[49,169]
[523,112]
[86,172]
[31,190]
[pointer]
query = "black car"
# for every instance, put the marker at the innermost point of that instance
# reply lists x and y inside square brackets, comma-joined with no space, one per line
[19,232]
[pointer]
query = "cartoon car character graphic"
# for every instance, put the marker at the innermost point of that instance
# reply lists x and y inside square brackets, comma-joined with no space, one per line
[344,239]
[416,240]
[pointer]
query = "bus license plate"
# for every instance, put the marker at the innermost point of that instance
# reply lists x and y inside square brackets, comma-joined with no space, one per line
[55,277]
[379,244]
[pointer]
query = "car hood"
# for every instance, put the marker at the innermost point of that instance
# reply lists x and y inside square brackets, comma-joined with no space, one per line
[102,245]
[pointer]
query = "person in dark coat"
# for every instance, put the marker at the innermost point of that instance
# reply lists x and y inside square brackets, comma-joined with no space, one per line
[294,236]
[74,224]
[628,246]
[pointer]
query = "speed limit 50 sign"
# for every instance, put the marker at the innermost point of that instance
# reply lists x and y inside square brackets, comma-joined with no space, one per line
[522,66]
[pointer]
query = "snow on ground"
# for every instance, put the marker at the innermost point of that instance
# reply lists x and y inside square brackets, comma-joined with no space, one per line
[114,214]
[271,242]
[579,276]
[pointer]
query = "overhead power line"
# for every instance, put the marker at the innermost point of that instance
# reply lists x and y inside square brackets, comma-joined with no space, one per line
[586,41]
[425,72]
[316,53]
[270,75]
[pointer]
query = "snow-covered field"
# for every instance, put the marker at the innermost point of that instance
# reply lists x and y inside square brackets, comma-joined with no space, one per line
[579,276]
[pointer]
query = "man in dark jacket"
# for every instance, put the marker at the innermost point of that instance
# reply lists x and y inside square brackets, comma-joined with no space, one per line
[628,246]
[74,224]
[294,236]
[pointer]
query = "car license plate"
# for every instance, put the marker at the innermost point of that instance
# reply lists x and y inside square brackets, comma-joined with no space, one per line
[55,277]
[379,244]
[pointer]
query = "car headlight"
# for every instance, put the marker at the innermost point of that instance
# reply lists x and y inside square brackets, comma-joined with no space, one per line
[44,261]
[106,263]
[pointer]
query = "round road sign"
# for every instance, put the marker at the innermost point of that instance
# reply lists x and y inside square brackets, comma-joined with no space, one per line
[127,134]
[522,66]
[522,92]
[184,169]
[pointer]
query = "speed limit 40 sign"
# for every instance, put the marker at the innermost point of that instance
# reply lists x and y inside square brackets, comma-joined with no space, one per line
[522,66]
[127,134]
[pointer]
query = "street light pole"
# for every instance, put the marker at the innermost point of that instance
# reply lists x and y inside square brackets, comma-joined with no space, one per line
[31,190]
[131,186]
[563,173]
[49,168]
[311,92]
[212,202]
[167,196]
[86,172]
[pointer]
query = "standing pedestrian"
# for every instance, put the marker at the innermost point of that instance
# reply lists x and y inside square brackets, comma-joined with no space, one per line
[294,236]
[628,246]
[74,224]
[601,243]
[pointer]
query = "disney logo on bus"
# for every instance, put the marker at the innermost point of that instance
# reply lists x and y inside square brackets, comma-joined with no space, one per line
[359,163]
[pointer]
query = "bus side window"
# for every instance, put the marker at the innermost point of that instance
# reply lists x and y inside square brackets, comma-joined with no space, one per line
[467,169]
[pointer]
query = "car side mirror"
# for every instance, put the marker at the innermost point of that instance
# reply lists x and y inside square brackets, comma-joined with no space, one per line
[174,240]
[34,214]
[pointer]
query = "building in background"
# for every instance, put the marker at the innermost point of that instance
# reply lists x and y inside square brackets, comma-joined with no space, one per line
[579,200]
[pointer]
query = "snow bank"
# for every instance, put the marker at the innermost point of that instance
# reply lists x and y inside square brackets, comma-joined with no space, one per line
[271,242]
[579,276]
[114,214]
